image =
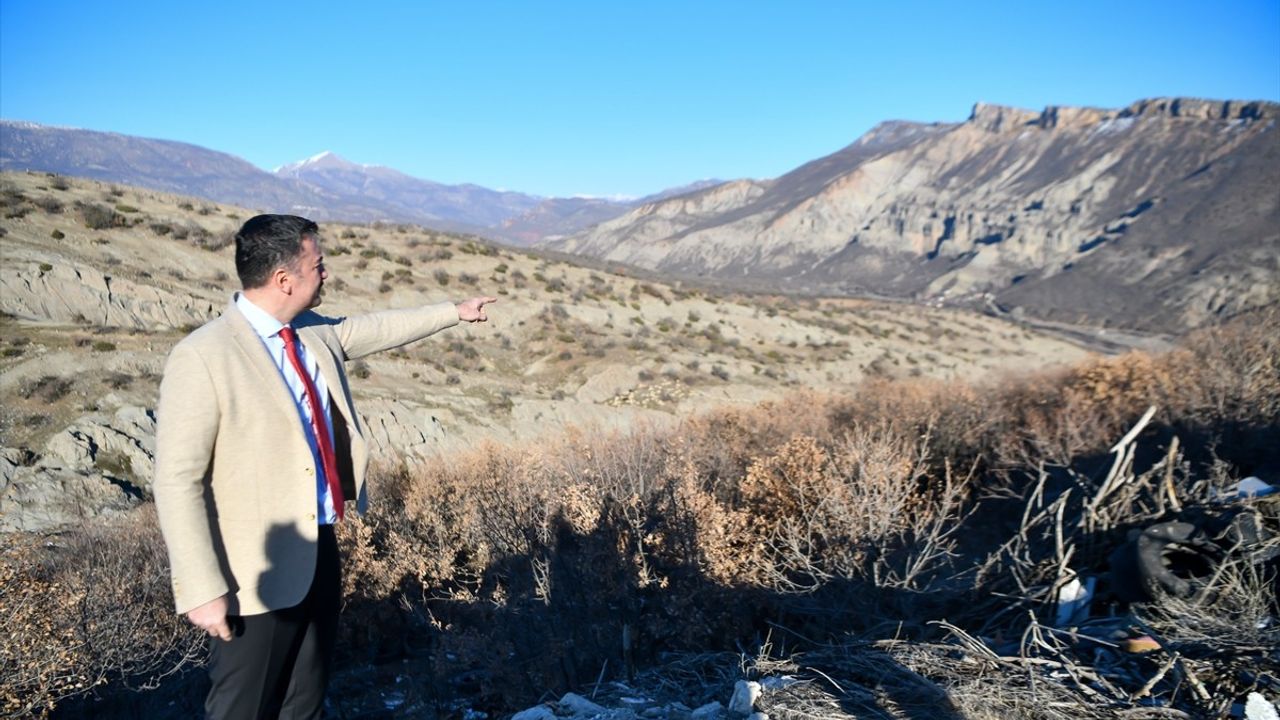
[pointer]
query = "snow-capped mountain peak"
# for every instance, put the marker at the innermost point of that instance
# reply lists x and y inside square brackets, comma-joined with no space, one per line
[321,161]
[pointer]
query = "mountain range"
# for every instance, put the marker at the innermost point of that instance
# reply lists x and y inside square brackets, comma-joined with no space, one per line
[1158,216]
[323,187]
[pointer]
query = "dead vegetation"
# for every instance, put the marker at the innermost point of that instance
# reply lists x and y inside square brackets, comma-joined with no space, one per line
[836,530]
[901,549]
[84,609]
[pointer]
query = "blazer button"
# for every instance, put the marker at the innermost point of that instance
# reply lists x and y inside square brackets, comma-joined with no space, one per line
[311,471]
[312,516]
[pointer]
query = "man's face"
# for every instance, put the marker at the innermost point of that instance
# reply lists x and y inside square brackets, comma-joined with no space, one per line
[309,274]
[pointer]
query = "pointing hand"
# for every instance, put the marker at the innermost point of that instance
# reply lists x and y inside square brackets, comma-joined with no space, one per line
[473,310]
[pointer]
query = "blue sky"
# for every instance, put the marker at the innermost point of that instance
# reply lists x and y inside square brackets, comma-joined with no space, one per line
[603,98]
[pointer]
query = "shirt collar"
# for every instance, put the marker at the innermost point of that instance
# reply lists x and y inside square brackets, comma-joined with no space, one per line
[262,322]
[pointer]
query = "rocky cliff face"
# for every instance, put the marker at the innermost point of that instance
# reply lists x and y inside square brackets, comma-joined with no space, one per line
[1159,216]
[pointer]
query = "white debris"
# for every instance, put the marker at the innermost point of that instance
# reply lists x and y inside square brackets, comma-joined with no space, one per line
[1073,601]
[745,694]
[777,682]
[1258,708]
[1253,486]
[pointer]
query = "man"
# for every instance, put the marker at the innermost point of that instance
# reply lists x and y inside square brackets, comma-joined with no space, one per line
[258,453]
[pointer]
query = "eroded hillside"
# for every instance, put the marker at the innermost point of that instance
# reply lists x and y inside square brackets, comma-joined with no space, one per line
[99,281]
[1159,216]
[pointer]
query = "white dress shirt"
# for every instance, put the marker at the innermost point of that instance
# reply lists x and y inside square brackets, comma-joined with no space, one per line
[268,330]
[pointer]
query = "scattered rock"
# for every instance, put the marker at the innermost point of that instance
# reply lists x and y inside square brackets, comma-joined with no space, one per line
[10,460]
[745,694]
[710,711]
[579,705]
[537,712]
[96,465]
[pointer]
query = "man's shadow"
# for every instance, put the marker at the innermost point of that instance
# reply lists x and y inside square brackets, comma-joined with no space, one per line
[181,696]
[578,619]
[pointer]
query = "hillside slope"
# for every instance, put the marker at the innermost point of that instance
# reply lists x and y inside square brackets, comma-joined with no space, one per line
[1158,216]
[99,281]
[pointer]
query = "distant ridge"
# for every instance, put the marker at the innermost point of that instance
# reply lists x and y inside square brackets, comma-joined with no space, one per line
[165,165]
[324,186]
[1161,215]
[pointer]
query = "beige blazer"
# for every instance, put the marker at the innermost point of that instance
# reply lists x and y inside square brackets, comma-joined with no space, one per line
[235,484]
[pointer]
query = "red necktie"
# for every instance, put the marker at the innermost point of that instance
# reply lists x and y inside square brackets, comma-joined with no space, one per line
[319,423]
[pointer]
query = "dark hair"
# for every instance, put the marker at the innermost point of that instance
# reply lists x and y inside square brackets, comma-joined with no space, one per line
[267,242]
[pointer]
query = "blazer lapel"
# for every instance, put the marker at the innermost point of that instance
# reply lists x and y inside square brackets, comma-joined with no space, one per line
[329,370]
[248,342]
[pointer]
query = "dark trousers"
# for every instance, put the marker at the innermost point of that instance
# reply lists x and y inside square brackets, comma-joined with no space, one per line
[277,664]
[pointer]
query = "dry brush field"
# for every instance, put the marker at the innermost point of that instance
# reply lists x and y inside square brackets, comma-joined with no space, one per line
[837,490]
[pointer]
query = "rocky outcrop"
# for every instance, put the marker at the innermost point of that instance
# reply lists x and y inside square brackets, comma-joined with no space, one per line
[1159,216]
[396,428]
[60,291]
[98,465]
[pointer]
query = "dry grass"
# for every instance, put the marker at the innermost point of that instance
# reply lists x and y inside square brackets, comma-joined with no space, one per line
[84,609]
[512,570]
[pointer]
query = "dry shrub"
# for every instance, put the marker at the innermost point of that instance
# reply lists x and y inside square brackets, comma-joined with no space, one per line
[1120,385]
[533,565]
[42,664]
[703,533]
[507,556]
[723,443]
[1042,424]
[514,569]
[92,608]
[1222,388]
[814,513]
[1232,372]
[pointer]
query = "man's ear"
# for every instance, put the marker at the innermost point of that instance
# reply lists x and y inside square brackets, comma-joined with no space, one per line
[281,281]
